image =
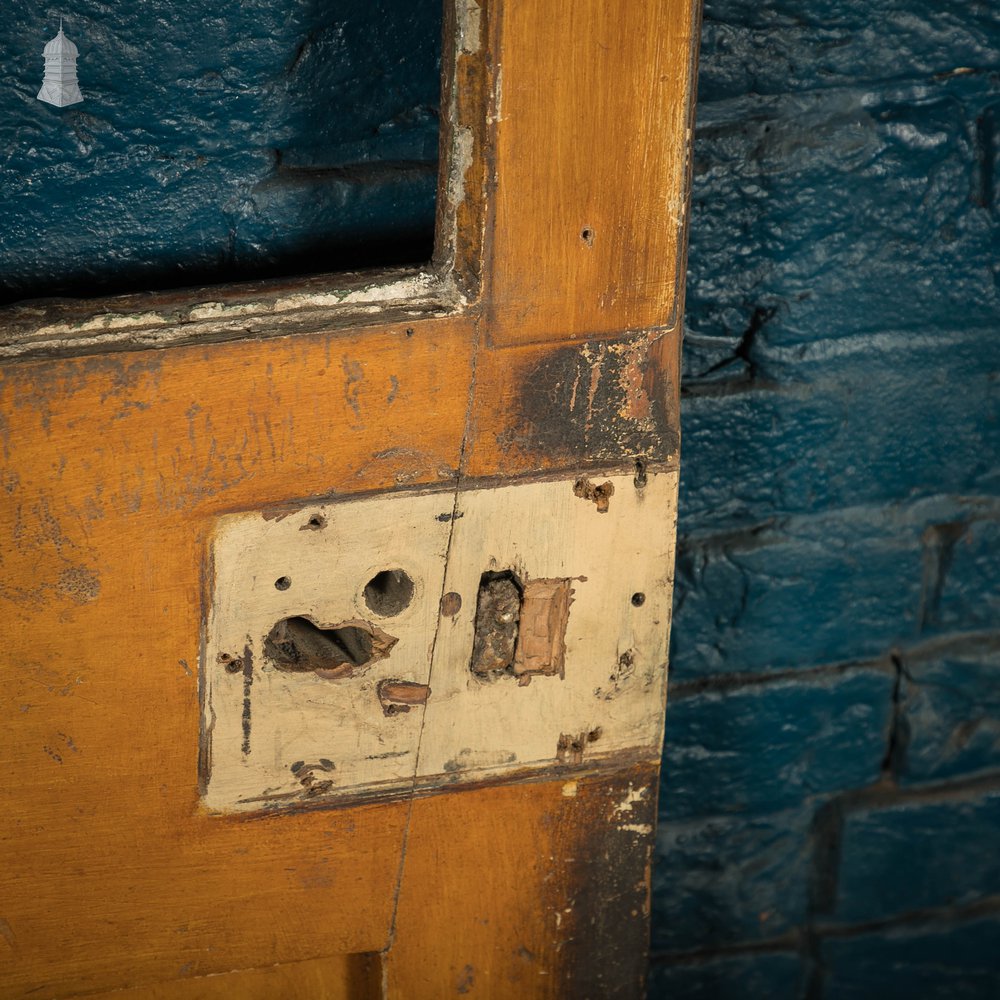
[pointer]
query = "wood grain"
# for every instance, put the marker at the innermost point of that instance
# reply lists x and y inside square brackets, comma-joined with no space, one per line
[591,165]
[114,469]
[555,348]
[339,977]
[541,893]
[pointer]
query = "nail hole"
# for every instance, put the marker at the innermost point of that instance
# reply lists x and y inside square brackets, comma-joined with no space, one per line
[409,331]
[640,479]
[233,664]
[587,235]
[315,523]
[389,592]
[638,598]
[283,583]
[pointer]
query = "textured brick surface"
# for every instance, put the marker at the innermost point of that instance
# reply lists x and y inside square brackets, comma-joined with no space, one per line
[957,960]
[951,712]
[844,423]
[217,140]
[919,854]
[967,595]
[819,590]
[840,505]
[766,976]
[728,879]
[765,747]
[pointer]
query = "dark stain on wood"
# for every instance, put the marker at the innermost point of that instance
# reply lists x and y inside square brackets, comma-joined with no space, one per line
[247,685]
[596,402]
[605,953]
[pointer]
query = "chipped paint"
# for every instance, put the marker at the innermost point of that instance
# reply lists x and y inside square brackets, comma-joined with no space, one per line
[469,16]
[238,311]
[633,797]
[419,715]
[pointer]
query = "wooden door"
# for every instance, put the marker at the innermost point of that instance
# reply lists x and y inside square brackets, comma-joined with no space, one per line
[526,382]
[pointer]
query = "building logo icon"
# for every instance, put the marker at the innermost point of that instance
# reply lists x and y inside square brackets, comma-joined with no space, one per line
[60,87]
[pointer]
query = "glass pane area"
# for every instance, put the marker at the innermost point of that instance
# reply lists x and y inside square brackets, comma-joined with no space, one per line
[216,141]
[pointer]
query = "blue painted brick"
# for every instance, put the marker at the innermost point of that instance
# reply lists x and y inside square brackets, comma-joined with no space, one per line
[821,590]
[951,712]
[917,854]
[760,976]
[784,45]
[969,596]
[846,424]
[765,747]
[729,879]
[944,962]
[843,212]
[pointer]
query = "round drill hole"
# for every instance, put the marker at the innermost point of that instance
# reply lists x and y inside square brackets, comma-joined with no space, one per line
[283,583]
[389,592]
[638,598]
[451,604]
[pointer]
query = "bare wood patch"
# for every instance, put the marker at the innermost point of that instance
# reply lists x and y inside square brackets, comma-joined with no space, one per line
[599,495]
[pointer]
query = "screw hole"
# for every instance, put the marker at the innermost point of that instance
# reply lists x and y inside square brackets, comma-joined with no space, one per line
[640,479]
[389,592]
[638,599]
[451,604]
[283,583]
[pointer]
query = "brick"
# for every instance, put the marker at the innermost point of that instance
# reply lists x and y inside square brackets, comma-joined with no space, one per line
[917,854]
[957,961]
[729,879]
[814,591]
[966,592]
[800,260]
[845,425]
[780,45]
[758,976]
[950,707]
[766,747]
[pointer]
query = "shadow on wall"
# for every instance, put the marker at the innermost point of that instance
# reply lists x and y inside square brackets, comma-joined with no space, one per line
[236,141]
[830,818]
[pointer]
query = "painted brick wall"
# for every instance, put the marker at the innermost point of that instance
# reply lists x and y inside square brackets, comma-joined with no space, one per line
[830,810]
[218,140]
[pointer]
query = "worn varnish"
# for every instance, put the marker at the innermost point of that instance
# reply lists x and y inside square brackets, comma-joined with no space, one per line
[610,168]
[544,340]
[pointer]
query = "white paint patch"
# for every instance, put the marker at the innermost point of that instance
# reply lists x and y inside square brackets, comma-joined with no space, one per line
[632,796]
[641,828]
[469,16]
[279,737]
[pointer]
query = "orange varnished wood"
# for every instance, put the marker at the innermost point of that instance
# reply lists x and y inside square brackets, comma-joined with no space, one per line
[592,146]
[541,893]
[114,467]
[339,977]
